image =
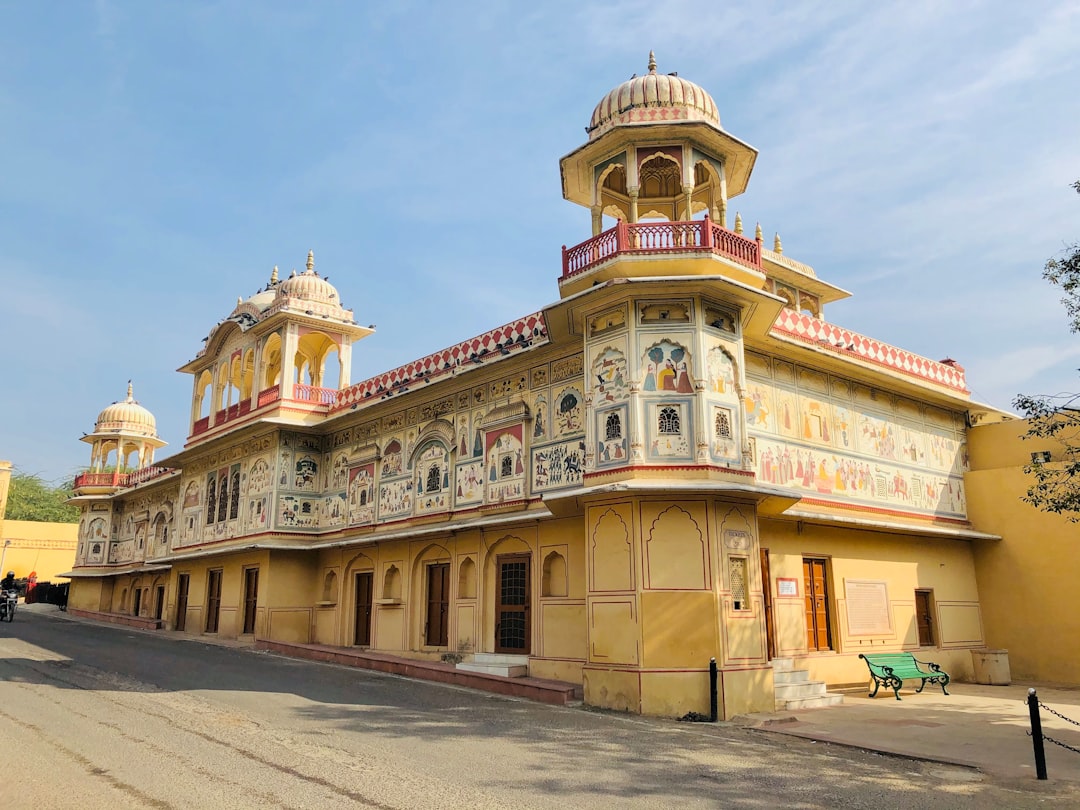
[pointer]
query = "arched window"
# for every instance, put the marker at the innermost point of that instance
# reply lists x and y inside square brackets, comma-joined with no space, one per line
[506,466]
[434,479]
[211,500]
[668,421]
[234,499]
[613,427]
[223,498]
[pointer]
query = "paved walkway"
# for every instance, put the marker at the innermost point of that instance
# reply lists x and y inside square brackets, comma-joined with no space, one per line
[983,727]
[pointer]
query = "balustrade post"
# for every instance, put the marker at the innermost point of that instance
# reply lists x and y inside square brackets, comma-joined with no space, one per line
[706,232]
[757,252]
[622,236]
[565,264]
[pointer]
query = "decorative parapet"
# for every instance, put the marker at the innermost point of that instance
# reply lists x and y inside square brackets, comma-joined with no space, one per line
[696,236]
[486,348]
[816,332]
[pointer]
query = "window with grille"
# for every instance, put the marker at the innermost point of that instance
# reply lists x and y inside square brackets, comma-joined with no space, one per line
[613,427]
[211,500]
[434,479]
[737,567]
[234,495]
[506,466]
[723,423]
[669,421]
[223,498]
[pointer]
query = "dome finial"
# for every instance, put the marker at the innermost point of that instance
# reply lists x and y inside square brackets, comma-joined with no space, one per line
[757,232]
[311,261]
[131,393]
[778,246]
[738,222]
[652,62]
[273,276]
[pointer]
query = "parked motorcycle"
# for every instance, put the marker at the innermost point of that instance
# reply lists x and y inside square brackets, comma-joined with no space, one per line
[8,601]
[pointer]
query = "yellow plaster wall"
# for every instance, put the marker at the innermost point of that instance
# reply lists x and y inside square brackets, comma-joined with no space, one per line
[904,563]
[45,548]
[1028,578]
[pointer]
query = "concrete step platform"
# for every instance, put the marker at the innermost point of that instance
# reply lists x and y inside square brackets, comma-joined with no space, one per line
[786,676]
[818,702]
[541,690]
[799,689]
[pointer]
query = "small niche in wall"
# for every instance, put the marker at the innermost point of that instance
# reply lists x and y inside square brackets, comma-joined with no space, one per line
[330,588]
[662,312]
[467,579]
[554,581]
[392,583]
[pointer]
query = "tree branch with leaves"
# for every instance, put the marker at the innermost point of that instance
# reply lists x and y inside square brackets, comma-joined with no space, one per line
[1056,485]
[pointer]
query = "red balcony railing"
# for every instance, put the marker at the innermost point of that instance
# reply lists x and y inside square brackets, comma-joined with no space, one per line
[661,237]
[268,395]
[309,393]
[119,479]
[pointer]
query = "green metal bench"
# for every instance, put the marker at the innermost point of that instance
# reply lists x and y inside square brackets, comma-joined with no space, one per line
[890,670]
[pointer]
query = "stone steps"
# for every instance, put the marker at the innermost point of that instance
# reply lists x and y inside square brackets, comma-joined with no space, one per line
[793,688]
[505,666]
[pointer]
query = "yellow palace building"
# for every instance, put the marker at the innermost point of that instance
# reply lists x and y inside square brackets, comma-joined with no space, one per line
[679,459]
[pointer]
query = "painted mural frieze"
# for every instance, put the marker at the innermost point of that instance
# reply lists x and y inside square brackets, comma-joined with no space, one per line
[567,368]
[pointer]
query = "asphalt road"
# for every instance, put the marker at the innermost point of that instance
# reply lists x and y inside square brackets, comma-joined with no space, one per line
[96,716]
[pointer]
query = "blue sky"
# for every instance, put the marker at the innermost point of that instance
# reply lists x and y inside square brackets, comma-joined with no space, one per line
[161,158]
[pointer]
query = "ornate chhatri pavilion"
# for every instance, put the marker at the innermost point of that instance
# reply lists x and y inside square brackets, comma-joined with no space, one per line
[679,459]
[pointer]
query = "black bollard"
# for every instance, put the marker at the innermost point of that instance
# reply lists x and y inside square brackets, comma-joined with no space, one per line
[713,712]
[1036,734]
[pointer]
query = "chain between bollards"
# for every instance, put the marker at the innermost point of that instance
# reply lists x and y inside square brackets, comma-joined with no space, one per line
[1036,734]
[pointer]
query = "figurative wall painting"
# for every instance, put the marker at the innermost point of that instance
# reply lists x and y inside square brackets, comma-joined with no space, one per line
[609,380]
[505,465]
[540,418]
[297,512]
[334,510]
[361,494]
[339,472]
[721,372]
[258,479]
[567,415]
[469,483]
[667,368]
[669,431]
[392,459]
[306,473]
[875,452]
[724,445]
[432,475]
[611,437]
[191,495]
[395,499]
[558,465]
[257,517]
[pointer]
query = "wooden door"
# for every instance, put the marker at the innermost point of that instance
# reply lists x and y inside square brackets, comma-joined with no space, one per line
[137,593]
[512,620]
[159,602]
[816,588]
[213,600]
[182,585]
[766,589]
[251,598]
[924,617]
[365,583]
[438,605]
